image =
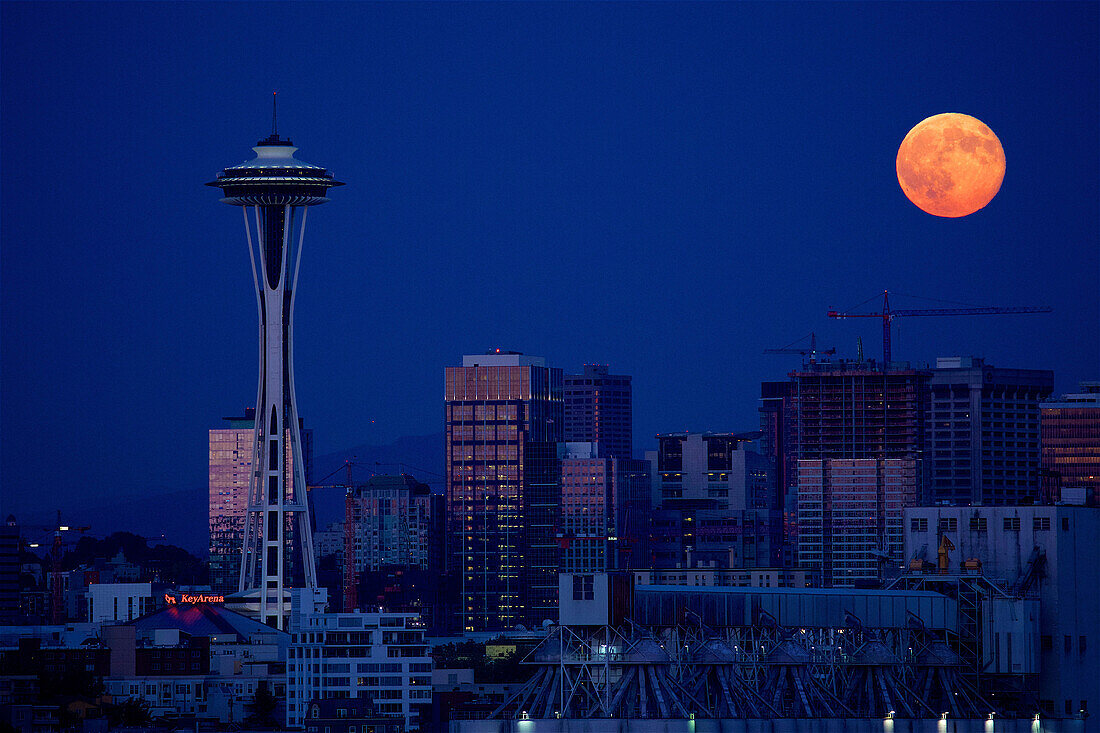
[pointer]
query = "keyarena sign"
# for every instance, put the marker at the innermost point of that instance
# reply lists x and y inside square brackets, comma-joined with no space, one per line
[173,599]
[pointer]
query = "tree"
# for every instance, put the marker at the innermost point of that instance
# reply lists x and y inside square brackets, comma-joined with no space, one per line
[130,713]
[261,711]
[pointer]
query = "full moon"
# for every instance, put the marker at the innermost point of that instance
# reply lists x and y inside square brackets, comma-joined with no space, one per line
[951,165]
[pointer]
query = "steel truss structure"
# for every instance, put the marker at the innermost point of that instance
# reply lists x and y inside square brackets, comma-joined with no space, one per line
[761,671]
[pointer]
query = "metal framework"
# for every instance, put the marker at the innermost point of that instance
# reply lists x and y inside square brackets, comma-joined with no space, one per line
[761,671]
[274,191]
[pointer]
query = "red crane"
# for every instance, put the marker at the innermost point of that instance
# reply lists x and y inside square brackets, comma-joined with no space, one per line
[888,315]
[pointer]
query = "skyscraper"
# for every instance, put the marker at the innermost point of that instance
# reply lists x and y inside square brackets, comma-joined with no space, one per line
[605,510]
[230,472]
[1071,443]
[274,191]
[982,432]
[503,421]
[598,409]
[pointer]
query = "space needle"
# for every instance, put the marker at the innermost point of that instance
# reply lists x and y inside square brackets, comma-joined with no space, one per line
[274,191]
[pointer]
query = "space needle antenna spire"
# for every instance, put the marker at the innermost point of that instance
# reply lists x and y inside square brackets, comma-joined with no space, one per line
[274,190]
[274,109]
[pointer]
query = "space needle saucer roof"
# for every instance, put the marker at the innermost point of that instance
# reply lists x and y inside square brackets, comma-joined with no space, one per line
[275,177]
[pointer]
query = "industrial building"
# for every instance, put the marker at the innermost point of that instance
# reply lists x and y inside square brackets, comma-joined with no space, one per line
[503,422]
[993,558]
[672,658]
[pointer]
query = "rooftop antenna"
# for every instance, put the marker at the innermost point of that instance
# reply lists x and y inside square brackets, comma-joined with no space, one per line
[274,127]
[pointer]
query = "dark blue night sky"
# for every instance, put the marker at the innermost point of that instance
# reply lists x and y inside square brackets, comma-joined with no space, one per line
[668,188]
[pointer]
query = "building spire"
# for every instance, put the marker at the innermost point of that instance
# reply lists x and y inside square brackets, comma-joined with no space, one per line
[273,138]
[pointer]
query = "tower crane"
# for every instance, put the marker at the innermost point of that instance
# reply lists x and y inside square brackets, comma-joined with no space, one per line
[888,316]
[811,352]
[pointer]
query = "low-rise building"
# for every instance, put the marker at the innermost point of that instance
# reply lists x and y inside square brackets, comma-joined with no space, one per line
[120,602]
[378,656]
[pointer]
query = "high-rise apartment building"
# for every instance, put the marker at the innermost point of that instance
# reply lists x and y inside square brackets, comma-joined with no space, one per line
[598,409]
[605,510]
[859,440]
[503,421]
[1071,444]
[390,522]
[230,466]
[850,516]
[392,519]
[982,433]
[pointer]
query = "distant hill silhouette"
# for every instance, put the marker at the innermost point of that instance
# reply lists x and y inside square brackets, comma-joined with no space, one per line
[420,456]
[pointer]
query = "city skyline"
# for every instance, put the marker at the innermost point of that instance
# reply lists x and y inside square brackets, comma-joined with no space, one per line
[515,168]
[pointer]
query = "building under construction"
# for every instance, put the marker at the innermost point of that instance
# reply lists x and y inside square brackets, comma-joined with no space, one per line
[857,439]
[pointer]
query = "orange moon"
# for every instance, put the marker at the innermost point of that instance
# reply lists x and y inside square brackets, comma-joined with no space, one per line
[951,165]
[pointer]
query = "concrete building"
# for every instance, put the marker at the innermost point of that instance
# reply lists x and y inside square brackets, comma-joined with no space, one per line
[230,470]
[778,443]
[714,503]
[598,409]
[1070,429]
[605,507]
[711,471]
[393,521]
[120,602]
[1044,552]
[982,432]
[391,524]
[380,656]
[503,421]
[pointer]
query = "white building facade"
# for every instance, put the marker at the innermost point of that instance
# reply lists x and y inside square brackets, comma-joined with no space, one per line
[380,656]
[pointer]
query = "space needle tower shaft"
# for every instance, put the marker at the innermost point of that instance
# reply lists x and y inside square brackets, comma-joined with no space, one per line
[274,191]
